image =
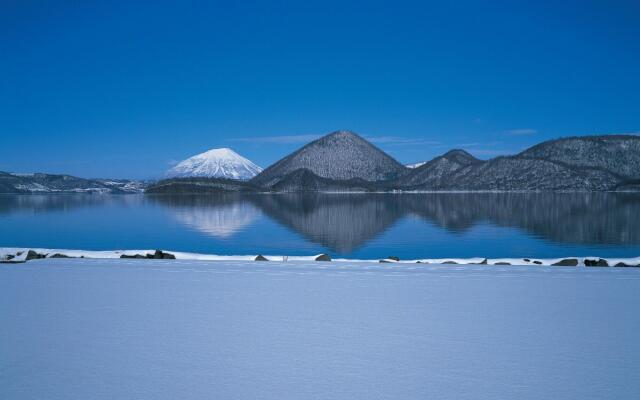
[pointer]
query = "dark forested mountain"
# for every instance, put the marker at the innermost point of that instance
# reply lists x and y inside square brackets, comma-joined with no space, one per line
[48,183]
[507,173]
[303,180]
[618,154]
[592,163]
[341,155]
[200,185]
[436,172]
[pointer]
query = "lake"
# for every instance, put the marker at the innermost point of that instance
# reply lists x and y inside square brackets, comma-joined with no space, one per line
[366,226]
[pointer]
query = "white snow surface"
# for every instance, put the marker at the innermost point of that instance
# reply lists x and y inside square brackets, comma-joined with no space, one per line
[20,253]
[184,329]
[215,163]
[416,165]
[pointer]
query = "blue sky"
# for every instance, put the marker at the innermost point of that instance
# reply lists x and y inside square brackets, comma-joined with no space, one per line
[123,89]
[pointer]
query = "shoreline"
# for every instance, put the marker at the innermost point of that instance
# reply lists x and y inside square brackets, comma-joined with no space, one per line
[356,192]
[15,255]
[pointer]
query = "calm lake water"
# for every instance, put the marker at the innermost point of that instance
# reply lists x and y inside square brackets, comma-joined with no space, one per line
[343,225]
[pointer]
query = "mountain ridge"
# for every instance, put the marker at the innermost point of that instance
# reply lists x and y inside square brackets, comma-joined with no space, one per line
[12,183]
[590,163]
[610,152]
[344,161]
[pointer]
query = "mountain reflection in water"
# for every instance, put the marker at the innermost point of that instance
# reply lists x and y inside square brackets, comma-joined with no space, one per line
[342,224]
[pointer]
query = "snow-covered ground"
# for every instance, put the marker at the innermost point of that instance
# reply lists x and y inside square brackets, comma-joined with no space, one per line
[184,329]
[20,254]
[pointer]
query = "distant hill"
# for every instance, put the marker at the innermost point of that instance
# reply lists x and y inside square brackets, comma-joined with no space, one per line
[435,173]
[200,185]
[303,180]
[618,154]
[516,174]
[591,163]
[221,163]
[341,155]
[50,183]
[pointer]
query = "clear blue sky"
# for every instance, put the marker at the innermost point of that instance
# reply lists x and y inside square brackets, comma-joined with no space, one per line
[99,89]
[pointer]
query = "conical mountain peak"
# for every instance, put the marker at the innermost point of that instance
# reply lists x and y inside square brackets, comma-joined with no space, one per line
[460,156]
[340,155]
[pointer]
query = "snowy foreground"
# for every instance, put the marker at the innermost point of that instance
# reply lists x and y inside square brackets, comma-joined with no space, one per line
[179,329]
[13,254]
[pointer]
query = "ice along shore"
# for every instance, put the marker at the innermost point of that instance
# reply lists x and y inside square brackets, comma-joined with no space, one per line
[18,255]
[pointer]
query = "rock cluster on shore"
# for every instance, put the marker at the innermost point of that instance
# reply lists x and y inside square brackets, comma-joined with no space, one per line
[158,255]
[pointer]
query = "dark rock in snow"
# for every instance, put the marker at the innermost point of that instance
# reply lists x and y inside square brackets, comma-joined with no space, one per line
[160,255]
[8,259]
[502,263]
[10,262]
[621,264]
[394,258]
[260,257]
[32,255]
[133,256]
[601,262]
[157,255]
[567,262]
[58,255]
[323,257]
[449,262]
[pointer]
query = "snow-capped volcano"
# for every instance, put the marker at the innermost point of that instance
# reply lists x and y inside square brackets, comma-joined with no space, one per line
[215,163]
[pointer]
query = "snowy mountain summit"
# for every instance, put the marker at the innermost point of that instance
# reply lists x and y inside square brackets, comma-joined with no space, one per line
[215,163]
